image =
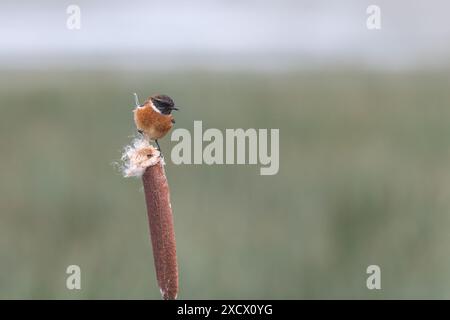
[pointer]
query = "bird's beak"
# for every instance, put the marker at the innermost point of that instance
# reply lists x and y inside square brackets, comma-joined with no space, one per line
[175,108]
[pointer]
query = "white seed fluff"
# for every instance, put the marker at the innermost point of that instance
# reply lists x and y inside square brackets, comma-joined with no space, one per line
[137,156]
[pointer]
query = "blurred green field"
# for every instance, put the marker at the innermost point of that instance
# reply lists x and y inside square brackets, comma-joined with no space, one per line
[364,179]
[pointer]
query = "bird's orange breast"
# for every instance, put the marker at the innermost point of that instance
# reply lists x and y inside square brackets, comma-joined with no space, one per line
[153,124]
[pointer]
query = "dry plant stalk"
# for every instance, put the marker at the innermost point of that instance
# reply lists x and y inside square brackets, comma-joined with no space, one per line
[142,159]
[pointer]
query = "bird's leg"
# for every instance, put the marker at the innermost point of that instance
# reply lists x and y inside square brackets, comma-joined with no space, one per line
[159,148]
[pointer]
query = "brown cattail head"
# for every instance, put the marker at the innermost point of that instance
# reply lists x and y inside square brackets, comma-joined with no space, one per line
[142,160]
[162,232]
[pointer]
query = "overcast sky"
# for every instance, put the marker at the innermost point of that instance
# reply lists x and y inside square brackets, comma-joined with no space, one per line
[413,32]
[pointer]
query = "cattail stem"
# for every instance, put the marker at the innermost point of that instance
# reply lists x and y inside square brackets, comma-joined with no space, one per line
[162,233]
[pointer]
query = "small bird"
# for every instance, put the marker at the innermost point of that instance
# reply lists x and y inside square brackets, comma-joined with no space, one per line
[153,118]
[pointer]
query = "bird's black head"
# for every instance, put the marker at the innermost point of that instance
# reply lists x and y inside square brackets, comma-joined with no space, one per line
[163,103]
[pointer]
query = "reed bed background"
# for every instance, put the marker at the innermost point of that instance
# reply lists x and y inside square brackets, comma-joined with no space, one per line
[364,179]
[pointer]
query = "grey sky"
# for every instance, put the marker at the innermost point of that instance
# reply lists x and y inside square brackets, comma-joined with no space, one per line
[271,32]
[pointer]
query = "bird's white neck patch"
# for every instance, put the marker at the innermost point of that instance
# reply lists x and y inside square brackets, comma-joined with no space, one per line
[153,106]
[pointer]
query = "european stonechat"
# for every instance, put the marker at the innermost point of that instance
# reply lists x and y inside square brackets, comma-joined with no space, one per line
[153,118]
